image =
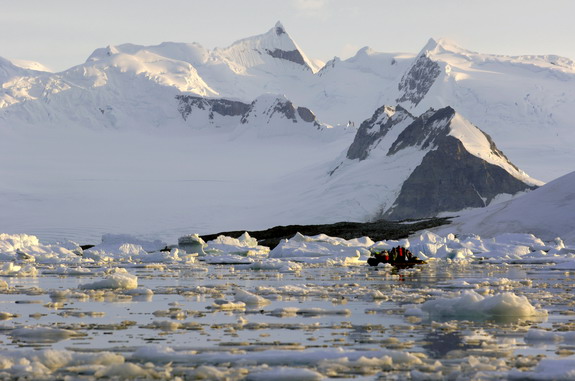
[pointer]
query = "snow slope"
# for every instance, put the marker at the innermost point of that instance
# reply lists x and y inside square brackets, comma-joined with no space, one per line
[79,184]
[546,212]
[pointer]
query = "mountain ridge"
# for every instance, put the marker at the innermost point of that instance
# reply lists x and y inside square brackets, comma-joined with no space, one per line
[416,114]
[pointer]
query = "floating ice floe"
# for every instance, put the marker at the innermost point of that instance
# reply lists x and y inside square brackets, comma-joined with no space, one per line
[11,269]
[470,304]
[226,305]
[228,259]
[192,244]
[540,335]
[44,334]
[245,245]
[306,357]
[323,249]
[68,271]
[58,295]
[45,363]
[249,298]
[27,248]
[7,315]
[548,369]
[118,278]
[126,248]
[294,311]
[126,371]
[282,266]
[505,248]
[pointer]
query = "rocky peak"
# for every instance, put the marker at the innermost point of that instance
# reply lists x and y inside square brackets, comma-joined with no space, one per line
[419,79]
[190,104]
[462,167]
[425,131]
[374,129]
[280,28]
[269,106]
[103,53]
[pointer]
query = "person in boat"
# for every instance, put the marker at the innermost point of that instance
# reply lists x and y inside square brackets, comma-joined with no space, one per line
[396,256]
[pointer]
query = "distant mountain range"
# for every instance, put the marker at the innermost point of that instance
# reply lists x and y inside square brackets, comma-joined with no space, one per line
[409,119]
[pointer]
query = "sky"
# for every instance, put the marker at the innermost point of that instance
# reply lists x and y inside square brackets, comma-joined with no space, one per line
[63,33]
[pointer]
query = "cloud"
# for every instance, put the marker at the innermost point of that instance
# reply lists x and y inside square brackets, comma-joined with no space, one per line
[310,7]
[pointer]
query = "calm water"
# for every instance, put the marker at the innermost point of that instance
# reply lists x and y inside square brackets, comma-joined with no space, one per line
[315,308]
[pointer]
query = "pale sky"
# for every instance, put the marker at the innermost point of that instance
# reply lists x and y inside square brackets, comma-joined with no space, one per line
[63,33]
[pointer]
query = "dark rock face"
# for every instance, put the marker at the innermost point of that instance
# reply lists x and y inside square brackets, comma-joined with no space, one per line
[280,30]
[306,115]
[418,80]
[224,107]
[286,109]
[450,179]
[374,129]
[243,111]
[292,55]
[377,230]
[424,131]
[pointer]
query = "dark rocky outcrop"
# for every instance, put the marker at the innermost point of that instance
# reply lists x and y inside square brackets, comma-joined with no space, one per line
[292,55]
[224,107]
[374,129]
[284,108]
[377,231]
[424,131]
[262,109]
[306,115]
[450,179]
[418,80]
[280,29]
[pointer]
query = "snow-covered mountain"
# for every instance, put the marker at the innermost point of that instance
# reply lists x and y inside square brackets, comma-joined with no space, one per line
[523,102]
[415,159]
[268,115]
[415,167]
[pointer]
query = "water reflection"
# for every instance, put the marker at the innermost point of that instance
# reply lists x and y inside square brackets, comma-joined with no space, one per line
[439,344]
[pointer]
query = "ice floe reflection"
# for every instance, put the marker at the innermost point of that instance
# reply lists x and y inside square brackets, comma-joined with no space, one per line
[309,309]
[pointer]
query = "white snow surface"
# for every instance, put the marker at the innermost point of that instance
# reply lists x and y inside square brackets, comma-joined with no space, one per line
[545,212]
[478,145]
